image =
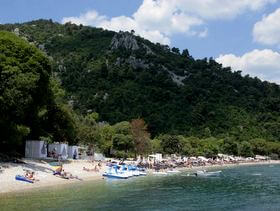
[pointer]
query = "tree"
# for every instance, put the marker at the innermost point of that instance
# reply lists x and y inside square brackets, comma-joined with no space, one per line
[245,149]
[122,142]
[156,146]
[187,148]
[141,136]
[230,146]
[60,123]
[170,144]
[122,139]
[173,92]
[24,90]
[106,133]
[186,53]
[207,132]
[87,130]
[175,50]
[259,146]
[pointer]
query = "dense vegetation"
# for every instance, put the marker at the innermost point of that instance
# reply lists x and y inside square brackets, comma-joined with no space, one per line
[114,78]
[24,90]
[28,94]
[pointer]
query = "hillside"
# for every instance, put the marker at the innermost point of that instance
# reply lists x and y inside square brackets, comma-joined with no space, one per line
[122,76]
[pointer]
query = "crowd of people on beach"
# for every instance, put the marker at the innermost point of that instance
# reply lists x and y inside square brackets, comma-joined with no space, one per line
[200,161]
[59,171]
[96,168]
[147,163]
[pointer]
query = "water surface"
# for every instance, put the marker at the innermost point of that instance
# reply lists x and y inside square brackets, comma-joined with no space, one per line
[238,188]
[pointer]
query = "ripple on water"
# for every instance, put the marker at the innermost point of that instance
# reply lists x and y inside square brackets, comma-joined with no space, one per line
[240,188]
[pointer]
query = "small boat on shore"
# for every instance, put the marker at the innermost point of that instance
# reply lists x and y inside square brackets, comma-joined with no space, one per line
[124,171]
[112,172]
[133,170]
[142,173]
[116,176]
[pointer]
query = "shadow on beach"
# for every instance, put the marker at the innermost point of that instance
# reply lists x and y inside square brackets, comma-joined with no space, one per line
[31,164]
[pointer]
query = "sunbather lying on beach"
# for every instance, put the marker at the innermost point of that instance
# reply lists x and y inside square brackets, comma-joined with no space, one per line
[87,169]
[68,175]
[58,171]
[95,169]
[63,174]
[30,175]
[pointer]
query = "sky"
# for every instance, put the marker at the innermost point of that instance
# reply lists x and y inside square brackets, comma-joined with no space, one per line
[242,34]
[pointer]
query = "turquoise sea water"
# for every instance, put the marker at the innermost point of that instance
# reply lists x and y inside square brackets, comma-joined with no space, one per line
[238,188]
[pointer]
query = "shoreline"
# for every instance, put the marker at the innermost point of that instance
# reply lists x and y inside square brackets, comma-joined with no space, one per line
[41,186]
[230,165]
[9,185]
[44,172]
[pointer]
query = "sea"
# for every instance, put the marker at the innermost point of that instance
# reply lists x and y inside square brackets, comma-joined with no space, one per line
[249,188]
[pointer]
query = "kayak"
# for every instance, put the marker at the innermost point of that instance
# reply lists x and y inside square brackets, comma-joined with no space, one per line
[24,179]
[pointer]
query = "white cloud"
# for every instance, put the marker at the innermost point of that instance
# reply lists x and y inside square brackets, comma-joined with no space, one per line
[121,23]
[222,9]
[203,33]
[89,18]
[165,16]
[158,20]
[261,63]
[267,31]
[124,23]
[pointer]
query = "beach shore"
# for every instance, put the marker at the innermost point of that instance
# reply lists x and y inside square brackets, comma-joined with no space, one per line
[44,172]
[229,165]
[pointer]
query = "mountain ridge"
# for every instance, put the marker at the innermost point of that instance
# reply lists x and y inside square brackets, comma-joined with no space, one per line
[122,76]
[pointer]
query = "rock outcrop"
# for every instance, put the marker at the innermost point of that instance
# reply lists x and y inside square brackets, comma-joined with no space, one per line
[124,40]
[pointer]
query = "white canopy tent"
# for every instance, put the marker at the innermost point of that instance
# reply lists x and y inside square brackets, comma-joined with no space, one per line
[156,157]
[73,152]
[35,149]
[202,158]
[59,149]
[259,157]
[98,156]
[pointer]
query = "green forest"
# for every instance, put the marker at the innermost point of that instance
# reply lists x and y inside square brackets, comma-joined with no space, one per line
[123,95]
